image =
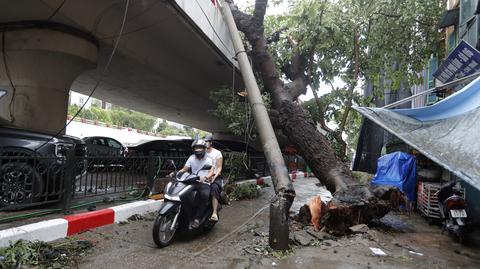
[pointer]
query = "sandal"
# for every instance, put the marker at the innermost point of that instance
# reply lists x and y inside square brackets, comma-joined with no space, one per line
[214,218]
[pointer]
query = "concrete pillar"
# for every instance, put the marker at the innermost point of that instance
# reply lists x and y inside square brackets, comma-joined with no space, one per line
[42,64]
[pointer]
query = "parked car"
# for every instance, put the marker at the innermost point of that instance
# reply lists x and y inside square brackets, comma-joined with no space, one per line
[100,146]
[31,164]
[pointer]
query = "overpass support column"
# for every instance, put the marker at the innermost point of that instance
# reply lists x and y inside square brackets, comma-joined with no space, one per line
[37,68]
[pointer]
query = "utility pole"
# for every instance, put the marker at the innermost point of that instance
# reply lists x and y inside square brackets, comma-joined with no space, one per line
[280,205]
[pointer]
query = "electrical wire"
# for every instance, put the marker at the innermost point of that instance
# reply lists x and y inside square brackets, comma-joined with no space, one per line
[99,80]
[218,241]
[56,10]
[213,28]
[11,106]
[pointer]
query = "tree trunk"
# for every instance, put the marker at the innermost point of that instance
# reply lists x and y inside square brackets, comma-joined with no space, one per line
[314,147]
[352,203]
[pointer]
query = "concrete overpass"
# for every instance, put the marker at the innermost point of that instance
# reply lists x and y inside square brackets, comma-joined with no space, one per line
[171,54]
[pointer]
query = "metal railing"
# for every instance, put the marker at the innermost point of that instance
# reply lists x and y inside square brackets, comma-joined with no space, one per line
[27,181]
[109,175]
[434,89]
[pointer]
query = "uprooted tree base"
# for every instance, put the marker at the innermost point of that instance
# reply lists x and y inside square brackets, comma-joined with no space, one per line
[349,208]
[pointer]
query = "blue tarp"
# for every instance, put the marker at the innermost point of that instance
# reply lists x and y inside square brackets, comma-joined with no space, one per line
[397,169]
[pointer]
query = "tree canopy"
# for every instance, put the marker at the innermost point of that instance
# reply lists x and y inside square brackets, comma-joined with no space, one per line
[316,41]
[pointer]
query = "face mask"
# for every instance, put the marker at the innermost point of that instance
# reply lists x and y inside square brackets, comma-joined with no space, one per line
[199,154]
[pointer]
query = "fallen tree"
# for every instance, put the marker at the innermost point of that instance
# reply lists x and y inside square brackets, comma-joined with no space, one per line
[353,203]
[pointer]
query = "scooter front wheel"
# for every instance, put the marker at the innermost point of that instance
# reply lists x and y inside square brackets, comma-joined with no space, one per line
[163,232]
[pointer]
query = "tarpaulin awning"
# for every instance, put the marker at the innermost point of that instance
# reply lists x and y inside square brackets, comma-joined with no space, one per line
[447,132]
[449,18]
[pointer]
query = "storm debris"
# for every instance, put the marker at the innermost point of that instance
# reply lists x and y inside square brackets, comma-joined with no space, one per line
[359,229]
[25,254]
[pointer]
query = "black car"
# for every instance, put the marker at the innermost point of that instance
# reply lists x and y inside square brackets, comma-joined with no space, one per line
[32,165]
[104,147]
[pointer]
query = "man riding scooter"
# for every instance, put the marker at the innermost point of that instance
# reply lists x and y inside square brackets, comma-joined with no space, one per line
[194,165]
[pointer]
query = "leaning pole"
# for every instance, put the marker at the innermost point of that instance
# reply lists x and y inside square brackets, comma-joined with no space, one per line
[280,205]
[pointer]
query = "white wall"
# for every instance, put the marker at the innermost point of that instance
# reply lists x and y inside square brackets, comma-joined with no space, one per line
[125,136]
[209,19]
[78,99]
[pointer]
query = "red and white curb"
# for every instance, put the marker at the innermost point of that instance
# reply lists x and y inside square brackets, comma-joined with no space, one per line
[54,229]
[261,180]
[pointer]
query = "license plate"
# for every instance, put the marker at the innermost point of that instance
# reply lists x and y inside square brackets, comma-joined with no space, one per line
[458,213]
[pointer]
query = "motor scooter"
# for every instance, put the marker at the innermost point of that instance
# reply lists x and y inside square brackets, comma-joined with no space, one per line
[178,209]
[453,211]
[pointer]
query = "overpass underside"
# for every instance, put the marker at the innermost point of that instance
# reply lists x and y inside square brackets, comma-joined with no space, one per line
[171,54]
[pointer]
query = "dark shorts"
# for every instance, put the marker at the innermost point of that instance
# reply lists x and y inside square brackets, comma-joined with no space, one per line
[216,187]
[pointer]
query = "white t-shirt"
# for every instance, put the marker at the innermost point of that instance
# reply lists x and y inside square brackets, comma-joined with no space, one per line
[196,164]
[215,155]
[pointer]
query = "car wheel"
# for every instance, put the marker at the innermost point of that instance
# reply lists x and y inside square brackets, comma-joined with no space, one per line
[20,184]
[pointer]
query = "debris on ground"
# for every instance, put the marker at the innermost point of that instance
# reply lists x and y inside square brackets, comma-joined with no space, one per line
[302,238]
[147,217]
[359,229]
[244,191]
[315,206]
[25,254]
[362,177]
[312,213]
[416,253]
[378,252]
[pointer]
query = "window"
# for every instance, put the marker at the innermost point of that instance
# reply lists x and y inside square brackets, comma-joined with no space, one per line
[98,141]
[467,10]
[114,144]
[452,40]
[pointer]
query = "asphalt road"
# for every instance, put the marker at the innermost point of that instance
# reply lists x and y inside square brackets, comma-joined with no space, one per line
[240,241]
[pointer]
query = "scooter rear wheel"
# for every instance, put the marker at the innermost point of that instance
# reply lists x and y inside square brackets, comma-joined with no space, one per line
[163,233]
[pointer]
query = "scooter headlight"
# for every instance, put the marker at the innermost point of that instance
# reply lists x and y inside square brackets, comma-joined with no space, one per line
[172,198]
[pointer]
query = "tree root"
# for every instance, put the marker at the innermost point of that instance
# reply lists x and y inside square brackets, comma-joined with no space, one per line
[351,206]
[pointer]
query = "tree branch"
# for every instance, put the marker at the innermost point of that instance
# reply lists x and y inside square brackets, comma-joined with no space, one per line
[275,37]
[297,87]
[260,55]
[397,16]
[259,13]
[356,67]
[242,19]
[293,69]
